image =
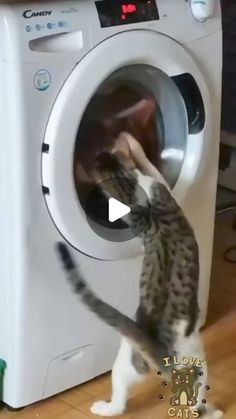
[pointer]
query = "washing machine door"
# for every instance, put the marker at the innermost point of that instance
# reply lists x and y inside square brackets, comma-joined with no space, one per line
[139,64]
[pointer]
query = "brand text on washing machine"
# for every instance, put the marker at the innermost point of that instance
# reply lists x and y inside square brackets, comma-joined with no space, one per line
[30,13]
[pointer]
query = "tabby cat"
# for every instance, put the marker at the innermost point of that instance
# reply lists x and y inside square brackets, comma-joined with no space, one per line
[124,108]
[166,322]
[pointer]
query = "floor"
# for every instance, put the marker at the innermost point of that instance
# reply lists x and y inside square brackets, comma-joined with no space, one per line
[145,402]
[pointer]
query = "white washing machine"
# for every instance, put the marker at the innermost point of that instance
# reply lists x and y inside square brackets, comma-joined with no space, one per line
[56,60]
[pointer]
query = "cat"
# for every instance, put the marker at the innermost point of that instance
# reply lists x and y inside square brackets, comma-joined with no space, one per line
[122,108]
[166,322]
[184,382]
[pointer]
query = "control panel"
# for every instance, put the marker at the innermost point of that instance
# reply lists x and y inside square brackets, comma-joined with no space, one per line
[77,26]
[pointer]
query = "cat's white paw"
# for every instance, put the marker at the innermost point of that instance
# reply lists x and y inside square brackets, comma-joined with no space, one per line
[218,414]
[213,414]
[103,408]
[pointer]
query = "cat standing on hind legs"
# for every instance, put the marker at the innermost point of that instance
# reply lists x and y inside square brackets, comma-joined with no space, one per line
[166,320]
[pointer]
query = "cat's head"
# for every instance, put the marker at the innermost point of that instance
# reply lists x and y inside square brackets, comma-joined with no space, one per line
[99,135]
[117,174]
[184,376]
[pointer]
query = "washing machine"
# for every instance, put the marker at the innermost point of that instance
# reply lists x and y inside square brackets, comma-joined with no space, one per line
[60,64]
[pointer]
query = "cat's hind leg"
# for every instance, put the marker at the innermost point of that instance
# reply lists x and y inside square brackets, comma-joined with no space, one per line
[124,375]
[192,346]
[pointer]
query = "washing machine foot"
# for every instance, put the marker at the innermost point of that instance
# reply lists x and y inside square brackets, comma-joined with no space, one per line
[13,409]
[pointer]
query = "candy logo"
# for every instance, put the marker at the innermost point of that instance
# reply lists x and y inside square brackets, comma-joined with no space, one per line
[29,13]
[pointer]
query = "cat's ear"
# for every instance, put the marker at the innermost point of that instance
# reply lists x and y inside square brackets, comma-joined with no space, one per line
[141,112]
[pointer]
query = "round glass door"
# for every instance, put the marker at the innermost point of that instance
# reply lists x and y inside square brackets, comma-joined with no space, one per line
[141,100]
[150,87]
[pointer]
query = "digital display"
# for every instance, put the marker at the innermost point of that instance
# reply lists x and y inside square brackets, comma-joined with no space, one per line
[129,8]
[120,12]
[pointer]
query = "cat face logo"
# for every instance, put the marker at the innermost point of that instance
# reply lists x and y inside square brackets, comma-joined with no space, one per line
[184,387]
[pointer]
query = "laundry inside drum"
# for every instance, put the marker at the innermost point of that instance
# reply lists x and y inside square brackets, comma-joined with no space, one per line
[122,103]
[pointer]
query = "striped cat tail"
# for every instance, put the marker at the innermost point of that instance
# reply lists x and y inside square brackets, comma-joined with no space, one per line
[74,276]
[109,314]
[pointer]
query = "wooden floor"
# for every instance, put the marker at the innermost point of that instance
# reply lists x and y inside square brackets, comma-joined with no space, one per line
[220,340]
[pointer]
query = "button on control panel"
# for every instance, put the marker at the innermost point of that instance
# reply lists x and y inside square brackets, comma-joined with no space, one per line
[38,27]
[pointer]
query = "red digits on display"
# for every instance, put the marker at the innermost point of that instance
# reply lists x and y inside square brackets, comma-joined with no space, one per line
[129,8]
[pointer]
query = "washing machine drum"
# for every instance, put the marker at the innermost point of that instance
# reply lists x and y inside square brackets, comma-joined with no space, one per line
[160,107]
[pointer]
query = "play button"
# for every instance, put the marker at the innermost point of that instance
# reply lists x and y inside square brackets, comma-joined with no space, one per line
[117,210]
[110,216]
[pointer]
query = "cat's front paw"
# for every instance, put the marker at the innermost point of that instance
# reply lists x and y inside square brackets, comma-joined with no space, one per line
[192,402]
[102,408]
[212,413]
[175,401]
